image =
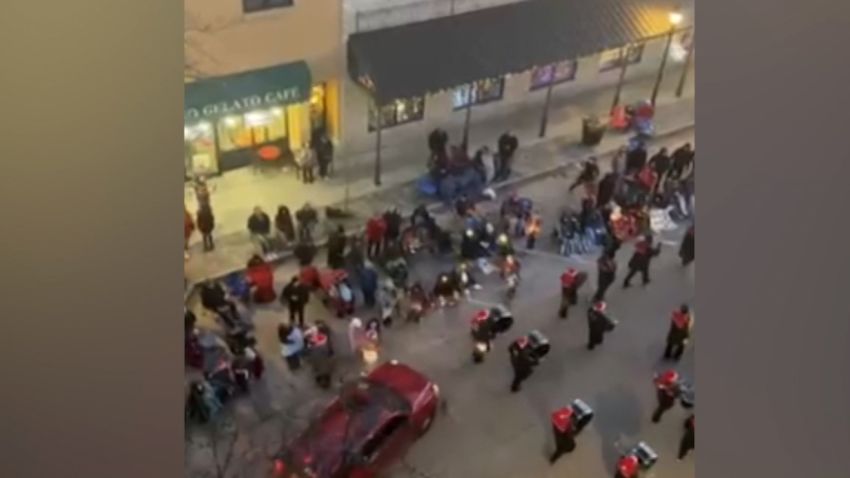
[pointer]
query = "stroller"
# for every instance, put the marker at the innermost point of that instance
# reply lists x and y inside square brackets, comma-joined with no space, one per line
[336,291]
[518,210]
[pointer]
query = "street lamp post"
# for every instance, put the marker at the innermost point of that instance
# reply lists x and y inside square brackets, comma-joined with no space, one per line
[378,125]
[681,87]
[545,119]
[675,19]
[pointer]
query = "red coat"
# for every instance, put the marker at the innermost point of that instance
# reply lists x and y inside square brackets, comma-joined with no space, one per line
[262,277]
[376,228]
[562,419]
[680,320]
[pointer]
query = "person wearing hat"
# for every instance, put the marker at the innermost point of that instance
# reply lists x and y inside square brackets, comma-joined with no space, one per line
[319,354]
[597,323]
[679,333]
[571,280]
[564,428]
[644,252]
[628,467]
[522,361]
[688,441]
[667,390]
[606,274]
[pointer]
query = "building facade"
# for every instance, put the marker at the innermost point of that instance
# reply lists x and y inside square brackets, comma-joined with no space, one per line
[261,77]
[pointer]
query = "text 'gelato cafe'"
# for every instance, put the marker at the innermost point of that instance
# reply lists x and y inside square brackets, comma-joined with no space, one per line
[240,120]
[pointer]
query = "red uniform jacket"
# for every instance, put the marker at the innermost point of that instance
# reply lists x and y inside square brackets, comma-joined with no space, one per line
[262,277]
[562,419]
[376,228]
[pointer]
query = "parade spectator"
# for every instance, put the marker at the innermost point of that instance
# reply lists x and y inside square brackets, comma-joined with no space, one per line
[284,224]
[206,224]
[260,227]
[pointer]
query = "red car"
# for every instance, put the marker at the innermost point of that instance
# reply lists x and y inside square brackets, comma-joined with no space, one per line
[364,430]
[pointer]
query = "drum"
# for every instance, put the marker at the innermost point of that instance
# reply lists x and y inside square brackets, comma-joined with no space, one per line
[583,414]
[645,455]
[501,319]
[610,323]
[687,395]
[539,344]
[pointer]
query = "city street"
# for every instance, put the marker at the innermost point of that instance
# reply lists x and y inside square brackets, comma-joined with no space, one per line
[484,430]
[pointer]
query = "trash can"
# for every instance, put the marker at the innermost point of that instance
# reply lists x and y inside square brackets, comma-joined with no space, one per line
[592,130]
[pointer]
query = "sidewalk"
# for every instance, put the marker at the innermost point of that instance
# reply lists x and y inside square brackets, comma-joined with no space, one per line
[237,193]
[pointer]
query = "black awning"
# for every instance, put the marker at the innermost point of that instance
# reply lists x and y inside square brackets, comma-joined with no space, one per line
[425,57]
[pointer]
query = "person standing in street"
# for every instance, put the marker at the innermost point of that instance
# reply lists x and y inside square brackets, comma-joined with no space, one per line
[636,159]
[571,280]
[607,274]
[597,323]
[683,159]
[369,285]
[206,224]
[292,344]
[393,221]
[376,228]
[337,242]
[688,441]
[679,333]
[522,362]
[641,259]
[666,391]
[507,145]
[588,176]
[686,250]
[660,163]
[325,155]
[306,160]
[563,427]
[295,295]
[532,231]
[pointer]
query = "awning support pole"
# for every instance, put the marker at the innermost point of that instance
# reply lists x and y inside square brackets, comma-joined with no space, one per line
[624,64]
[378,127]
[465,142]
[661,67]
[545,119]
[681,88]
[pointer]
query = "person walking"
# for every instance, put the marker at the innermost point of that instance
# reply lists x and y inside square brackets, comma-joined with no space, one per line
[507,146]
[607,274]
[641,259]
[679,333]
[571,280]
[295,296]
[564,429]
[376,228]
[188,229]
[597,323]
[683,159]
[206,224]
[588,176]
[292,344]
[660,163]
[284,224]
[636,159]
[522,362]
[688,441]
[666,392]
[260,227]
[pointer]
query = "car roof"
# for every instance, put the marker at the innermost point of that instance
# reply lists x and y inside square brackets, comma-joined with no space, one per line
[345,424]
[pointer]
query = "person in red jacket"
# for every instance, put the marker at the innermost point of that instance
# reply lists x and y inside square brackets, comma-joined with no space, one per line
[261,279]
[680,331]
[644,252]
[571,280]
[563,425]
[688,439]
[628,467]
[376,228]
[667,390]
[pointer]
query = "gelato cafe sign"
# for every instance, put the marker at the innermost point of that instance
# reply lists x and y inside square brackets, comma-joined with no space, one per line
[243,104]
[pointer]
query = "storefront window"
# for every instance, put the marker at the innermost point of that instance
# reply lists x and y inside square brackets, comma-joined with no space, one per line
[318,107]
[251,129]
[199,143]
[398,112]
[553,74]
[612,58]
[478,92]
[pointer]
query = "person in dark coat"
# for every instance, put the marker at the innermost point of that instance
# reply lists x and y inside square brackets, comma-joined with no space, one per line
[636,159]
[369,285]
[564,429]
[260,226]
[295,296]
[507,146]
[683,159]
[686,250]
[376,229]
[660,163]
[336,248]
[644,252]
[307,219]
[437,142]
[304,252]
[522,361]
[688,441]
[283,223]
[206,223]
[589,173]
[393,221]
[679,333]
[324,154]
[667,391]
[605,190]
[596,324]
[607,274]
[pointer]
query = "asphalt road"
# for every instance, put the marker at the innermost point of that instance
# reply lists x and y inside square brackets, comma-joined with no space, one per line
[485,431]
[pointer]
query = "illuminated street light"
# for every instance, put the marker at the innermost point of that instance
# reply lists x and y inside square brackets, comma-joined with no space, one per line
[676,18]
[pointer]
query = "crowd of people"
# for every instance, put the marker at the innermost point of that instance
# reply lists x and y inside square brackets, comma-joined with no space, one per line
[615,208]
